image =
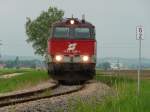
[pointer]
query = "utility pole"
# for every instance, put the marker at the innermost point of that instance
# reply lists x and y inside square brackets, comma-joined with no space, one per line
[118,66]
[140,37]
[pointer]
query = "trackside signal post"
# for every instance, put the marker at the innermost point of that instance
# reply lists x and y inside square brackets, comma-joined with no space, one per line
[140,37]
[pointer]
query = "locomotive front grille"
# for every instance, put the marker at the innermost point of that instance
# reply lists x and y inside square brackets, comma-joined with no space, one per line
[75,59]
[66,59]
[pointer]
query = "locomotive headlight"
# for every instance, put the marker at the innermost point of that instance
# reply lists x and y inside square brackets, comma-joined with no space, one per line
[85,58]
[58,58]
[72,21]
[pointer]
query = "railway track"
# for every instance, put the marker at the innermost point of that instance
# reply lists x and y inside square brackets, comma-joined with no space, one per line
[37,95]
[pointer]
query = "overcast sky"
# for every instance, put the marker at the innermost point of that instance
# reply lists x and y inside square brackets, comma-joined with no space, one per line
[115,22]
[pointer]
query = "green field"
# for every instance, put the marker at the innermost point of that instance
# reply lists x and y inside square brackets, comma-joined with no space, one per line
[28,79]
[126,99]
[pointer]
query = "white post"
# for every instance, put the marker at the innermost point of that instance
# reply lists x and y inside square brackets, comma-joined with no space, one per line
[140,37]
[139,67]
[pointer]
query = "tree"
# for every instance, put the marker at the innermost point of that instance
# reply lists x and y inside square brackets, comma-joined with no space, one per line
[106,65]
[16,62]
[39,30]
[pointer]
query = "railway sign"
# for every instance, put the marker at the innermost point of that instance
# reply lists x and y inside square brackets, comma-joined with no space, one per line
[140,32]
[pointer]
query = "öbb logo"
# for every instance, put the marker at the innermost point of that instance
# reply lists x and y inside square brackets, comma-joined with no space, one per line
[71,47]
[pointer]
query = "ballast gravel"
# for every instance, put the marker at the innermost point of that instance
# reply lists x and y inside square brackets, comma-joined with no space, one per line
[93,91]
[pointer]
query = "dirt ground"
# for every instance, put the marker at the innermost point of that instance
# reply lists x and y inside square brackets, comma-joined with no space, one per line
[145,74]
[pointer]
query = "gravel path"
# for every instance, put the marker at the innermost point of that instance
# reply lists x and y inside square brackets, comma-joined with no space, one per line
[92,90]
[6,76]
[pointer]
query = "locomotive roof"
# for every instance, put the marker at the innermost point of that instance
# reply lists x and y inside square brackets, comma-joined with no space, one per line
[65,22]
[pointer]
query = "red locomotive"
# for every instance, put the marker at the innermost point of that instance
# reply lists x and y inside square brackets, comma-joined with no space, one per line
[72,50]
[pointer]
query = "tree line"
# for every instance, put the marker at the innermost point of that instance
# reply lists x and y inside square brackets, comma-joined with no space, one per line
[21,63]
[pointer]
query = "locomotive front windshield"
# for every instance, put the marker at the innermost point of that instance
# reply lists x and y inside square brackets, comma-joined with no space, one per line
[61,32]
[82,32]
[75,33]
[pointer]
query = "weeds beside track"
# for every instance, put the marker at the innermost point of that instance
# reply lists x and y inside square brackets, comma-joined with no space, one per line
[28,79]
[126,99]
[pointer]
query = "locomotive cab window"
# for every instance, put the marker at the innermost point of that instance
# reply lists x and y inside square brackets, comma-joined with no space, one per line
[82,33]
[61,32]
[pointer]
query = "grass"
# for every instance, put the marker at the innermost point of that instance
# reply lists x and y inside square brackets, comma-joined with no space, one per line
[126,99]
[29,78]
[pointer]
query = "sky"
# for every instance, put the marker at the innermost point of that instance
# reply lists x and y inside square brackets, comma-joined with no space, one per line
[115,22]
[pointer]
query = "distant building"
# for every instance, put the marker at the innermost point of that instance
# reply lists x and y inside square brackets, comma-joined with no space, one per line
[116,66]
[40,65]
[2,66]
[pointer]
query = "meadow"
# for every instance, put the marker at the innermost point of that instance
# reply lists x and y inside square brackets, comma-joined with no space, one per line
[28,79]
[126,98]
[124,84]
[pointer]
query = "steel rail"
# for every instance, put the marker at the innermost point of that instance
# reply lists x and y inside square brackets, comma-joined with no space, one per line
[30,93]
[25,94]
[3,104]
